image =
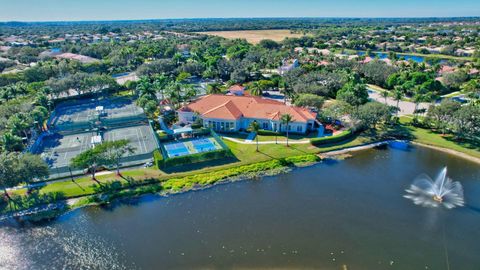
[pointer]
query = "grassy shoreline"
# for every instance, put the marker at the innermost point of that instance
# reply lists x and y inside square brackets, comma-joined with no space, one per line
[271,159]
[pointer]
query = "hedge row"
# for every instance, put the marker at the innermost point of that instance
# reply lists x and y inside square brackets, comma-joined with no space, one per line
[333,139]
[189,159]
[158,158]
[263,132]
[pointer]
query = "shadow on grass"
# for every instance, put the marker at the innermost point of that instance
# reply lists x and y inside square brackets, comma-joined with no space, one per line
[461,142]
[469,144]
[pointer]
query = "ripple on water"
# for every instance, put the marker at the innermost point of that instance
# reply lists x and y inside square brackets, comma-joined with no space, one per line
[58,247]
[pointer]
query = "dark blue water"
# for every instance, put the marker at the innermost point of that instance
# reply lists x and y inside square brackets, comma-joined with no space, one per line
[335,215]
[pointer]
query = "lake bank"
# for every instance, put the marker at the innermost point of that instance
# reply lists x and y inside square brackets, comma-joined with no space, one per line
[177,185]
[124,188]
[324,216]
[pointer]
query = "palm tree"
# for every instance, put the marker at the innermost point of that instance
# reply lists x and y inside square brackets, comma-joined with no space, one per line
[255,89]
[214,88]
[159,84]
[189,92]
[173,93]
[385,95]
[286,119]
[144,87]
[397,96]
[254,126]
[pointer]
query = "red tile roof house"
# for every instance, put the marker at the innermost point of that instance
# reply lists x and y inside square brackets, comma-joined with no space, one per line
[234,113]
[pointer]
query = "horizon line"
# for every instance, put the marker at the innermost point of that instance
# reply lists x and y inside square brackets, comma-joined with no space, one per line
[230,18]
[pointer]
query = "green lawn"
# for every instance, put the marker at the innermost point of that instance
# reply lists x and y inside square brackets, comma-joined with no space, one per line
[246,155]
[429,137]
[376,88]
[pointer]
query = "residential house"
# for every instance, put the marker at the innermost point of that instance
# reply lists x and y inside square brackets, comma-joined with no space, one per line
[233,113]
[81,58]
[288,65]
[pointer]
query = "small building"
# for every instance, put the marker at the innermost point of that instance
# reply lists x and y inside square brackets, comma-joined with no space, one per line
[288,65]
[78,57]
[447,69]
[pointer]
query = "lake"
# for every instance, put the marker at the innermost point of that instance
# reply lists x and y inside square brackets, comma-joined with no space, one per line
[415,58]
[347,214]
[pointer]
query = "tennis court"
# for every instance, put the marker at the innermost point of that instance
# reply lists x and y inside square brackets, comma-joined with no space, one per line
[57,150]
[204,145]
[176,149]
[191,147]
[85,111]
[141,137]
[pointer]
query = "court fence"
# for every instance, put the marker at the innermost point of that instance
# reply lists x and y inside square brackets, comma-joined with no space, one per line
[163,160]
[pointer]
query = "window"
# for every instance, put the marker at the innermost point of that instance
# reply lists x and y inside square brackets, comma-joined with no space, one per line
[289,127]
[299,128]
[265,125]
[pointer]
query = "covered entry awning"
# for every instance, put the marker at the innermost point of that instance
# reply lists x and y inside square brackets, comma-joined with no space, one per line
[182,130]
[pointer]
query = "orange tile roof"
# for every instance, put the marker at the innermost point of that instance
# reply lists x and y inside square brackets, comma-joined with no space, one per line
[235,107]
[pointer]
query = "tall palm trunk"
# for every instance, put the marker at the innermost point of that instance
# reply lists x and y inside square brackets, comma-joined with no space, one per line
[287,136]
[94,170]
[118,167]
[9,200]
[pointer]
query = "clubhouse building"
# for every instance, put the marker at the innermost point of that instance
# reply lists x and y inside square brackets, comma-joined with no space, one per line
[230,113]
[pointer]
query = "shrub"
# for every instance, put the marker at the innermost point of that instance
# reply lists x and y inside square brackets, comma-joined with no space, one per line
[333,139]
[162,136]
[264,132]
[158,158]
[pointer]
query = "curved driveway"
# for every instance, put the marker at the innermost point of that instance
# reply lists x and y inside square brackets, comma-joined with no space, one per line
[406,107]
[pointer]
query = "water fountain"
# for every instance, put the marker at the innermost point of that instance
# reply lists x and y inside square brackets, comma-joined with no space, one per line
[443,191]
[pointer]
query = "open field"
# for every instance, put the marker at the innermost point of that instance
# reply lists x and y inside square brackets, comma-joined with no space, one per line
[254,36]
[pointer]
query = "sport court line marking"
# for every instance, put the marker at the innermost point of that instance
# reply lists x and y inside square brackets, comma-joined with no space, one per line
[140,138]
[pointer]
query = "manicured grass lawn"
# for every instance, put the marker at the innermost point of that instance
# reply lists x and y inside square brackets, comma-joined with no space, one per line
[429,137]
[456,93]
[376,87]
[245,154]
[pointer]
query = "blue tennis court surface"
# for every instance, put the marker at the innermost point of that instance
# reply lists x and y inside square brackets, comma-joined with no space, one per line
[204,145]
[190,147]
[176,149]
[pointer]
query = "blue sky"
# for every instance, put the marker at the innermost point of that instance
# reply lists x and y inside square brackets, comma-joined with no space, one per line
[52,10]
